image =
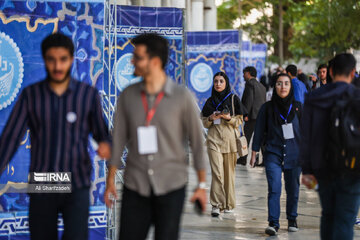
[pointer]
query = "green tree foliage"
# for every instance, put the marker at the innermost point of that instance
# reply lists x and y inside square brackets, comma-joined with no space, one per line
[312,28]
[325,27]
[265,30]
[228,12]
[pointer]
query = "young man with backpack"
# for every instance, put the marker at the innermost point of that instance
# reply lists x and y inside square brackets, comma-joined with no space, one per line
[330,149]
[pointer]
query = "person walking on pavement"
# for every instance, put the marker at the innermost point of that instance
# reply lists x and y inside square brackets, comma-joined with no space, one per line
[321,78]
[299,86]
[222,114]
[154,119]
[322,74]
[253,98]
[339,191]
[278,126]
[60,112]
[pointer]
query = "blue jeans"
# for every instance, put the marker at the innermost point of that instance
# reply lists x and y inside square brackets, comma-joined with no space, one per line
[274,169]
[339,198]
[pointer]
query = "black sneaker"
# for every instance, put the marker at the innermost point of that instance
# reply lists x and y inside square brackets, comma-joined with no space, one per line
[292,226]
[261,164]
[271,230]
[215,212]
[257,160]
[242,160]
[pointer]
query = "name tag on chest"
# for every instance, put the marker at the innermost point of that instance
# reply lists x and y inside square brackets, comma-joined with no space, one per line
[147,140]
[288,131]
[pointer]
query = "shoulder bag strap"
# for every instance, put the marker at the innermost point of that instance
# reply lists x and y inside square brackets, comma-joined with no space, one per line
[233,109]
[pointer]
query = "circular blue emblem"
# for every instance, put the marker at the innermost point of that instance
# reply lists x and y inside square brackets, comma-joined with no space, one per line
[11,70]
[201,77]
[125,72]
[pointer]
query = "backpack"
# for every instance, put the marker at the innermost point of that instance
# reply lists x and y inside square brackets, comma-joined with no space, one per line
[343,147]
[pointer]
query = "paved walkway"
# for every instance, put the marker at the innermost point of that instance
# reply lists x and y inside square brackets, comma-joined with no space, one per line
[250,218]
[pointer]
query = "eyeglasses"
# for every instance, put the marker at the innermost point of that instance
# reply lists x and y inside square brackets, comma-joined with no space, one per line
[280,84]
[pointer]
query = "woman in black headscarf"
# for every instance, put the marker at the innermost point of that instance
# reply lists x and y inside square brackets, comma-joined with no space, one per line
[277,125]
[223,121]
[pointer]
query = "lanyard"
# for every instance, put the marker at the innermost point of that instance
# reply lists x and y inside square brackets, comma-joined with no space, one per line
[221,101]
[150,113]
[285,119]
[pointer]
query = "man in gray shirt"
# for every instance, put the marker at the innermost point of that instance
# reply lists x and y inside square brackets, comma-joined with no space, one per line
[154,119]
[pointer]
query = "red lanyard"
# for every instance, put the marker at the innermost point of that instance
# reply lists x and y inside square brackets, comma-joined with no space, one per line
[150,113]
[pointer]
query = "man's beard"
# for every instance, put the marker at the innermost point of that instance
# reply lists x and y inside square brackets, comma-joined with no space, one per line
[143,72]
[55,81]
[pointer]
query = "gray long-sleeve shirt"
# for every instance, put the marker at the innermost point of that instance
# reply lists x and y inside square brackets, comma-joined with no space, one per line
[177,120]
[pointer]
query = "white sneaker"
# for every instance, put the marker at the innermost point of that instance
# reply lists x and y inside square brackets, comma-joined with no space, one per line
[215,211]
[292,226]
[228,210]
[271,230]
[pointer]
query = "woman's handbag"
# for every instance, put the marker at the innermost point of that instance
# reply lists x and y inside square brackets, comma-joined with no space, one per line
[241,142]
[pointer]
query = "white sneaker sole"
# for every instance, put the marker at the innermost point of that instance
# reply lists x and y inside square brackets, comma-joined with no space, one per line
[270,231]
[229,211]
[293,229]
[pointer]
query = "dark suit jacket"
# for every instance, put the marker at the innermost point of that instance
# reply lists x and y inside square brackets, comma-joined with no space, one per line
[253,97]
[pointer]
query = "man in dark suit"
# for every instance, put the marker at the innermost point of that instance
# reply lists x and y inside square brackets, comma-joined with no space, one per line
[253,97]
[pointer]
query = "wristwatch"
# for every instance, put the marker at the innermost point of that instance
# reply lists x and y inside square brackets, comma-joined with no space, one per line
[202,185]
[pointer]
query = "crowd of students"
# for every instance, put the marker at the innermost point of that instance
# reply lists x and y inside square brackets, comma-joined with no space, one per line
[155,118]
[294,130]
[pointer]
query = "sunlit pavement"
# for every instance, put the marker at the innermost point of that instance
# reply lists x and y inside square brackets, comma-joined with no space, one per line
[250,217]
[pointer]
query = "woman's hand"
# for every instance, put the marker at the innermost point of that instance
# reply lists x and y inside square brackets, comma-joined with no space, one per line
[253,159]
[226,116]
[309,181]
[214,116]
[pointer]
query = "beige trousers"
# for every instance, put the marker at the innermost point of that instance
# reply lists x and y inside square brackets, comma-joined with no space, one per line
[222,192]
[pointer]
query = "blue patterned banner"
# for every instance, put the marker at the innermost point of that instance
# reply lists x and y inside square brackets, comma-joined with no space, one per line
[253,55]
[132,21]
[211,52]
[23,26]
[208,53]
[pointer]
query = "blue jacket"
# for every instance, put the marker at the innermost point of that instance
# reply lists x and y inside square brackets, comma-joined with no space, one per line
[266,131]
[314,126]
[299,90]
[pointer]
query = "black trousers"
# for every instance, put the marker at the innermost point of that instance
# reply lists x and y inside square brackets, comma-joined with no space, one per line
[138,213]
[249,129]
[44,210]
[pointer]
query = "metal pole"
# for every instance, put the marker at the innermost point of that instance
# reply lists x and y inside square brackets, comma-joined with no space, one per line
[115,59]
[109,60]
[184,52]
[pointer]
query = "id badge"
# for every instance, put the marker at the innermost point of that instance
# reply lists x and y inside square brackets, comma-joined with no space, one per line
[147,140]
[217,121]
[288,131]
